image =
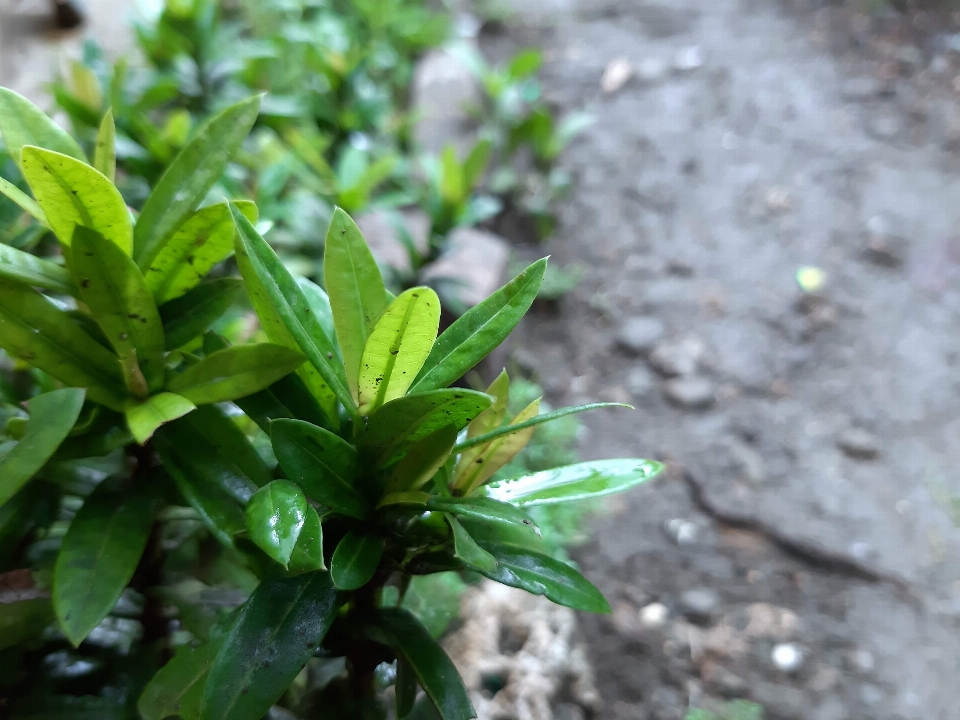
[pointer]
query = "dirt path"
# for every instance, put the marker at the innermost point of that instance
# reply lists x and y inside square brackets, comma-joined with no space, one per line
[810,436]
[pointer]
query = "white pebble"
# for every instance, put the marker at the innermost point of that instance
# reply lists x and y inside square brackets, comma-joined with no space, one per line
[787,657]
[654,615]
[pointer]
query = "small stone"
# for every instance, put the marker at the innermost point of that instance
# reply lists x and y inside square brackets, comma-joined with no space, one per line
[885,249]
[616,75]
[654,615]
[939,65]
[859,443]
[692,393]
[688,59]
[640,381]
[682,532]
[861,88]
[884,126]
[651,71]
[787,657]
[862,661]
[442,92]
[700,604]
[640,334]
[677,357]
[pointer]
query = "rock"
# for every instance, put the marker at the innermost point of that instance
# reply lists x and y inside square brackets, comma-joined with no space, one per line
[862,661]
[700,604]
[616,75]
[885,125]
[473,265]
[382,228]
[640,381]
[640,334]
[688,59]
[882,246]
[682,532]
[787,657]
[677,357]
[442,92]
[691,393]
[859,443]
[861,88]
[654,615]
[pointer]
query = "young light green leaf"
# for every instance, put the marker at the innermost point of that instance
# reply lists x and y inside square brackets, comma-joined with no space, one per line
[235,372]
[34,329]
[113,288]
[396,426]
[307,554]
[574,482]
[479,330]
[476,163]
[190,315]
[397,347]
[323,464]
[98,556]
[422,460]
[451,177]
[185,258]
[143,418]
[278,630]
[52,416]
[177,688]
[275,516]
[466,548]
[489,419]
[26,203]
[356,559]
[191,175]
[105,153]
[23,123]
[473,471]
[357,293]
[435,672]
[72,193]
[32,270]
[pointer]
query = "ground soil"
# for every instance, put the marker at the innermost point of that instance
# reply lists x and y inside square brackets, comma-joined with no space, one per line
[755,138]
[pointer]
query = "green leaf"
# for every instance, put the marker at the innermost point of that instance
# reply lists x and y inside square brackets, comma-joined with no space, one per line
[24,613]
[26,203]
[202,241]
[235,372]
[321,463]
[113,288]
[72,193]
[308,553]
[435,672]
[35,330]
[319,303]
[574,482]
[542,575]
[476,164]
[105,153]
[406,688]
[422,460]
[479,330]
[397,347]
[451,177]
[52,416]
[356,559]
[23,123]
[192,314]
[357,293]
[31,270]
[98,556]
[275,516]
[145,417]
[288,320]
[286,398]
[191,175]
[473,470]
[177,688]
[278,630]
[467,549]
[396,426]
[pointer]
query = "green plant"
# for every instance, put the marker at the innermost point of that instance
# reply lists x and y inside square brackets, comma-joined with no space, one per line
[372,469]
[735,710]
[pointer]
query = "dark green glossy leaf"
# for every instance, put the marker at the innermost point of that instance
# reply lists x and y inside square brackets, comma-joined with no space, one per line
[322,463]
[202,241]
[26,203]
[397,347]
[357,293]
[143,418]
[33,329]
[105,153]
[190,177]
[278,630]
[435,672]
[308,553]
[286,398]
[542,575]
[422,461]
[192,314]
[481,508]
[19,514]
[23,123]
[99,554]
[235,372]
[396,426]
[406,688]
[52,415]
[113,288]
[356,559]
[467,549]
[72,193]
[31,270]
[275,516]
[574,482]
[177,688]
[478,331]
